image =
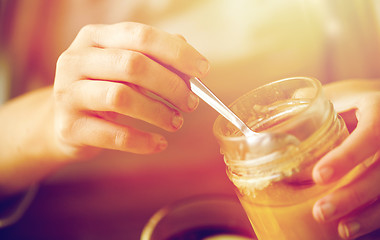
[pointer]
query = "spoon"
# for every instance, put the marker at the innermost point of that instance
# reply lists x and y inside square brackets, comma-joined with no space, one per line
[265,142]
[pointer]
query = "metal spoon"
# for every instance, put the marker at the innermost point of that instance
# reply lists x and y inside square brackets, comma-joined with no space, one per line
[266,142]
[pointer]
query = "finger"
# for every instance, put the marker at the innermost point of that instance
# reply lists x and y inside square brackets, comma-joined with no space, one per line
[360,145]
[344,94]
[346,199]
[362,223]
[159,45]
[131,67]
[117,97]
[97,132]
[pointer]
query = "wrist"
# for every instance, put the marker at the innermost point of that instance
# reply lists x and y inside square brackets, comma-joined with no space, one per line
[28,150]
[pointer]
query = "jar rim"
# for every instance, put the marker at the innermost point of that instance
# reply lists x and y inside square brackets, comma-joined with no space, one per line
[314,82]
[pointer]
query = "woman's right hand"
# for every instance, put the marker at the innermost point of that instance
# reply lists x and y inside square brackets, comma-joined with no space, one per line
[112,70]
[356,205]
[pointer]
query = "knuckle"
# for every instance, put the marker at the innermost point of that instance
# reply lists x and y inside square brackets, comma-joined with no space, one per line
[174,86]
[116,95]
[68,128]
[122,138]
[134,63]
[63,94]
[64,129]
[88,30]
[143,34]
[160,115]
[159,110]
[68,60]
[64,59]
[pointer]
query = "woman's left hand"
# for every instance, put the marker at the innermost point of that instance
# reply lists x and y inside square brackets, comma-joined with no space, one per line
[356,205]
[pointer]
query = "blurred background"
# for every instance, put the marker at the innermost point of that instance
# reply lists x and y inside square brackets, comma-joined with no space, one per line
[248,42]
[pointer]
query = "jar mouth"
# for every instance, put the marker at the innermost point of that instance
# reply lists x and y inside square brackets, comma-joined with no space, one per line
[272,92]
[293,106]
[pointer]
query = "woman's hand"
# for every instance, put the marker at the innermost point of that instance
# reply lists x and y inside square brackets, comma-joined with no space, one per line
[122,69]
[108,72]
[356,205]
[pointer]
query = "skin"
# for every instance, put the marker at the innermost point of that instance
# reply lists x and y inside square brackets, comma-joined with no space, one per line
[356,205]
[109,71]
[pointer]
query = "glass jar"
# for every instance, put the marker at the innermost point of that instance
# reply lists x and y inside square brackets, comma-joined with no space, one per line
[276,189]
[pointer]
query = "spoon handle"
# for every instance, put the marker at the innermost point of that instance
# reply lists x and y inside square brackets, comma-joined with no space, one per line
[206,95]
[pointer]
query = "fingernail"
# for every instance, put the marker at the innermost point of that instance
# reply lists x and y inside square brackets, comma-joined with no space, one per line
[349,229]
[192,101]
[324,174]
[325,211]
[203,67]
[177,120]
[161,144]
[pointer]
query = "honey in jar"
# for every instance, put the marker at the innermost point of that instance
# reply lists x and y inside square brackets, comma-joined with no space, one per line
[276,189]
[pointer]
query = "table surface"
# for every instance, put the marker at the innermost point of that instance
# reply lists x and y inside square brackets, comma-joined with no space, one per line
[113,206]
